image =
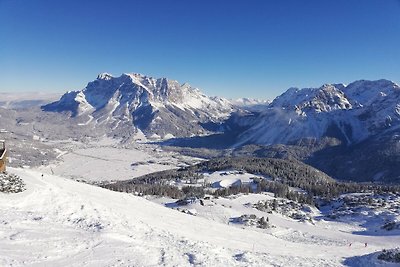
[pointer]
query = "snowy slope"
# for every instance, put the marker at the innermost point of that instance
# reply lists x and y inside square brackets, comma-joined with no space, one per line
[350,113]
[59,222]
[158,107]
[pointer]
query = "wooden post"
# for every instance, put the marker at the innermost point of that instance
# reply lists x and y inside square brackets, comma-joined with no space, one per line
[3,156]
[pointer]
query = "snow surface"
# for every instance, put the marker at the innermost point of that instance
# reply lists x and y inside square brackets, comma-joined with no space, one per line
[105,160]
[60,222]
[228,178]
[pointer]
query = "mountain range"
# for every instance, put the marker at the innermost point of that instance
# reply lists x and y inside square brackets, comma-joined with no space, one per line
[349,131]
[350,113]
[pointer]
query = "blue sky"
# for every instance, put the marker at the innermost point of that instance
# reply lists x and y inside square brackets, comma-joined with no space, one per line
[255,48]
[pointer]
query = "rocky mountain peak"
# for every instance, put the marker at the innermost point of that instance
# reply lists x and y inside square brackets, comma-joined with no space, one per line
[104,76]
[157,106]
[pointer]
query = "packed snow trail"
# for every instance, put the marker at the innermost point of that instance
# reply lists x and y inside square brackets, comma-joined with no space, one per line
[60,222]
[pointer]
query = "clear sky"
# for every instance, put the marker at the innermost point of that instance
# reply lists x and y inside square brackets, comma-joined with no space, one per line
[253,48]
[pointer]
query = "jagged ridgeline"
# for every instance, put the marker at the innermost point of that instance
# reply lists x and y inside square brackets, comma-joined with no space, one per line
[280,175]
[132,103]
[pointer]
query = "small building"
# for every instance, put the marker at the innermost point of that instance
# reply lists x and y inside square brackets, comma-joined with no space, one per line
[3,156]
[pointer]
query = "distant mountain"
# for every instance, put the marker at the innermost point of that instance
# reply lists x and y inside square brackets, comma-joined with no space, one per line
[350,113]
[250,104]
[160,108]
[350,132]
[26,100]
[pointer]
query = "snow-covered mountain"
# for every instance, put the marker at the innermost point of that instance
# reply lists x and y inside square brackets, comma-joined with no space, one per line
[158,107]
[350,113]
[163,108]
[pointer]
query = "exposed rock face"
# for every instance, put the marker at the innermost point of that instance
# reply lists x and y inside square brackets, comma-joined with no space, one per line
[158,107]
[351,113]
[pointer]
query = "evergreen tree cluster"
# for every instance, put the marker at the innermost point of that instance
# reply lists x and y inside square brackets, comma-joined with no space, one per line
[11,183]
[280,174]
[390,255]
[147,189]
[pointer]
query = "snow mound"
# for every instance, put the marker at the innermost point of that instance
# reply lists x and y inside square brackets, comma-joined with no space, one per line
[384,258]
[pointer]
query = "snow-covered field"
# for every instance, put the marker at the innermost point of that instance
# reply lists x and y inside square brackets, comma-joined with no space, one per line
[60,222]
[225,179]
[106,160]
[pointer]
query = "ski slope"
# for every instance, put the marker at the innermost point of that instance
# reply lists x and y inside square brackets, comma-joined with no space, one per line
[60,222]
